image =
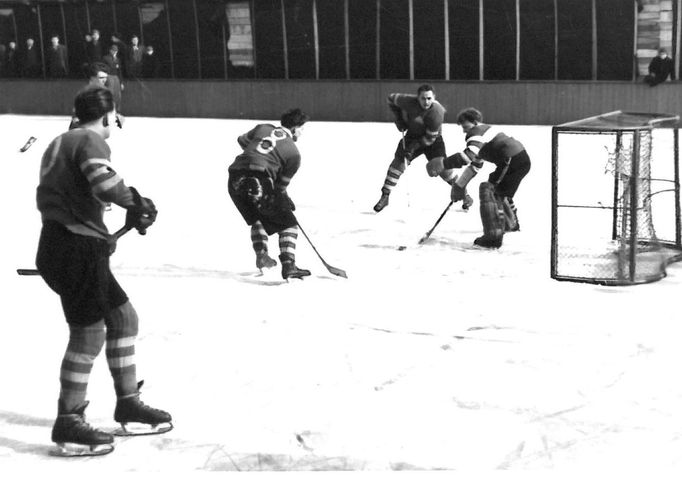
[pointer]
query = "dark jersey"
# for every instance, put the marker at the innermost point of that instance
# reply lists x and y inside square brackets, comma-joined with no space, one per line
[422,124]
[77,182]
[268,149]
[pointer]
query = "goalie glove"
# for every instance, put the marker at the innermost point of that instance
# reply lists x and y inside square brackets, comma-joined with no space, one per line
[142,214]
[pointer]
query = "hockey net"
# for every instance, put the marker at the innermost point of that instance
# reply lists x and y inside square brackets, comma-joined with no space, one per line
[615,198]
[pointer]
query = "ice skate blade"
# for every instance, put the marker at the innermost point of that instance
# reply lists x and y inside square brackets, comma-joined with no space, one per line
[71,450]
[132,429]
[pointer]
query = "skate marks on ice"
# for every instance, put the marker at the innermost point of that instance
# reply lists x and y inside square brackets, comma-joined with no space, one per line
[270,277]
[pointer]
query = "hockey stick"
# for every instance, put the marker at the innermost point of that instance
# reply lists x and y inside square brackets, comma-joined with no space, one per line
[33,271]
[334,271]
[428,234]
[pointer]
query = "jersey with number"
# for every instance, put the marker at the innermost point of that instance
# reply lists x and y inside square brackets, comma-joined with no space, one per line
[422,124]
[77,182]
[490,144]
[268,149]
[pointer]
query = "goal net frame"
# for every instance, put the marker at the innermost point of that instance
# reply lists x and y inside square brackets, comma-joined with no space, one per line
[616,207]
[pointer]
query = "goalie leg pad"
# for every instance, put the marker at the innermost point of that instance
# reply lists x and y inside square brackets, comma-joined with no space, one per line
[492,213]
[510,222]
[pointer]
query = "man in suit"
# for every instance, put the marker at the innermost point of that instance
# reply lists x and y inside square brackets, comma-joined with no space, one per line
[57,65]
[30,60]
[134,58]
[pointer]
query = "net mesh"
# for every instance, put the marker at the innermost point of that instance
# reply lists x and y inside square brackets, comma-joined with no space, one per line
[605,219]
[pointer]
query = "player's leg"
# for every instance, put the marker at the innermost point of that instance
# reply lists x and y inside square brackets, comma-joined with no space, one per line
[492,217]
[67,263]
[259,241]
[122,329]
[518,168]
[287,248]
[395,171]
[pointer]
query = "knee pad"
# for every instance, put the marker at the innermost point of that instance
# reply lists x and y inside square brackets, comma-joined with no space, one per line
[86,340]
[492,213]
[122,322]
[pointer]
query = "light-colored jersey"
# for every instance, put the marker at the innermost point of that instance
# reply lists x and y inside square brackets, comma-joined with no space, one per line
[77,182]
[422,124]
[269,149]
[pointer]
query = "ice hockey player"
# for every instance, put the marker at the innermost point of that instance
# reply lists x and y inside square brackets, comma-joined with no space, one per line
[257,184]
[98,75]
[420,118]
[488,143]
[76,182]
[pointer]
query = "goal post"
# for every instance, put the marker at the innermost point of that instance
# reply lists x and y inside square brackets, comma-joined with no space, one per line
[616,208]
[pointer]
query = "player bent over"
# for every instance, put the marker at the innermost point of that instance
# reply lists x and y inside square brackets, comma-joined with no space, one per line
[76,182]
[487,143]
[420,119]
[257,184]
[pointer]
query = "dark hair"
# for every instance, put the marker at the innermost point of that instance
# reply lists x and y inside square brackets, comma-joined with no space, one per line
[470,114]
[425,88]
[294,118]
[96,67]
[92,103]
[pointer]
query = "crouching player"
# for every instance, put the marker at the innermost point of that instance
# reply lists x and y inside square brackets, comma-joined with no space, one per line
[487,143]
[76,182]
[257,184]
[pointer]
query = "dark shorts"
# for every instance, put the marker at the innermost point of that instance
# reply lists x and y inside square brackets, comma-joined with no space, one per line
[77,268]
[436,149]
[508,178]
[272,211]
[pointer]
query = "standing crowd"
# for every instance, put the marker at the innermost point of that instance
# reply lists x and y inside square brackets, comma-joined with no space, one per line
[130,60]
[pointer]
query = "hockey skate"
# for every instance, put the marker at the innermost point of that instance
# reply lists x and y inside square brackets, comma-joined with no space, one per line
[144,419]
[383,202]
[488,241]
[264,261]
[290,270]
[76,438]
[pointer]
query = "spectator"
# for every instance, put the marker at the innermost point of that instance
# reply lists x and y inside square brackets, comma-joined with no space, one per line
[93,47]
[660,68]
[56,59]
[11,60]
[113,61]
[134,58]
[150,63]
[30,60]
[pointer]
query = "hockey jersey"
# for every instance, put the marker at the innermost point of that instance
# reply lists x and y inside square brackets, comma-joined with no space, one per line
[77,182]
[268,149]
[422,124]
[490,144]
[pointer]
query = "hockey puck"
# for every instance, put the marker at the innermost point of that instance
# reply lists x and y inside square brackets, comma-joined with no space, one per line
[402,248]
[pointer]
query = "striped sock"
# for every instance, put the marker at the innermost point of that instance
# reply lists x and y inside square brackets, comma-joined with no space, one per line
[287,243]
[85,343]
[395,171]
[122,327]
[259,238]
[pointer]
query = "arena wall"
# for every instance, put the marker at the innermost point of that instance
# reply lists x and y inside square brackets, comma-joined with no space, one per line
[504,102]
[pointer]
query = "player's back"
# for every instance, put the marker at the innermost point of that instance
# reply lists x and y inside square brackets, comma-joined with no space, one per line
[267,148]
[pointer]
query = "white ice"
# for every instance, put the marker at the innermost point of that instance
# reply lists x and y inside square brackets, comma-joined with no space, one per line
[435,357]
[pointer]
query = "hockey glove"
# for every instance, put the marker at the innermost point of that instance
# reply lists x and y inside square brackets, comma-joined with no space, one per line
[401,125]
[458,193]
[142,214]
[435,166]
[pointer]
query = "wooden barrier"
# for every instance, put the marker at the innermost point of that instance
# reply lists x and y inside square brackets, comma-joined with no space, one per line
[504,102]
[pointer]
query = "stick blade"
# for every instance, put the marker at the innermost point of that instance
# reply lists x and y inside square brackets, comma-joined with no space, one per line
[27,271]
[337,271]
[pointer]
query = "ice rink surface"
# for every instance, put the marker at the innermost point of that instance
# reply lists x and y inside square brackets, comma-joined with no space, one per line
[433,358]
